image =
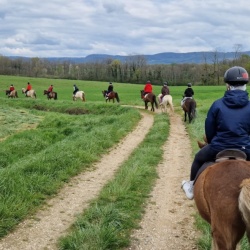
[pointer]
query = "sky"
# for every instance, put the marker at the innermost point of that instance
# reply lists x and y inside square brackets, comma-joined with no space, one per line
[78,28]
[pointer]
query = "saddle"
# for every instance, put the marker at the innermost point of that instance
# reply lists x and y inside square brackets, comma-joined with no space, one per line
[226,154]
[230,154]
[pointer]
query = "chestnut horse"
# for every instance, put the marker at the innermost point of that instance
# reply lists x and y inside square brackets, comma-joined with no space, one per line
[189,107]
[51,95]
[111,96]
[12,94]
[150,97]
[222,197]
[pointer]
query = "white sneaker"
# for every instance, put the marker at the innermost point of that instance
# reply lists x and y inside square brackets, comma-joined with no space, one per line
[188,188]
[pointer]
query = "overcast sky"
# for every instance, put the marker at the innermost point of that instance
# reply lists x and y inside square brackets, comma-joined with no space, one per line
[77,28]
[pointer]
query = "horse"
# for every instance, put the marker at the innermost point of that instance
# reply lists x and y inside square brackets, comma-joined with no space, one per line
[189,107]
[31,93]
[165,101]
[222,197]
[12,94]
[79,94]
[150,97]
[51,95]
[111,96]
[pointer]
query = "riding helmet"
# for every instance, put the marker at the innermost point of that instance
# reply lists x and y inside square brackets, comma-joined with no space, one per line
[189,84]
[236,76]
[165,83]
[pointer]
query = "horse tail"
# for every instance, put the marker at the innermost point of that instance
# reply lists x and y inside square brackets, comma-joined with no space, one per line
[34,94]
[154,99]
[55,95]
[83,97]
[117,97]
[192,109]
[244,203]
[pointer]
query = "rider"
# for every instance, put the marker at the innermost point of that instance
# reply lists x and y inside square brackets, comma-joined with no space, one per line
[226,125]
[147,88]
[164,90]
[75,88]
[188,93]
[11,89]
[110,89]
[50,90]
[28,88]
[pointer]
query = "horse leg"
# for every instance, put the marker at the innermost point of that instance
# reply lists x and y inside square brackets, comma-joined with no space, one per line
[185,116]
[189,117]
[152,107]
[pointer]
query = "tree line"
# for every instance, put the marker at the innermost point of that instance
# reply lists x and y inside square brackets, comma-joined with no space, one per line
[134,70]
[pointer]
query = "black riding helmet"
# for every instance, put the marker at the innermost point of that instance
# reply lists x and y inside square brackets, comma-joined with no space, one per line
[189,84]
[236,76]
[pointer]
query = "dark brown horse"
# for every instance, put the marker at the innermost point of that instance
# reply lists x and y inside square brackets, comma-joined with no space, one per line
[189,107]
[51,95]
[222,197]
[150,97]
[111,96]
[11,94]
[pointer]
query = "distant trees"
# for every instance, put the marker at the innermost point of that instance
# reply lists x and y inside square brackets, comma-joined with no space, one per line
[134,70]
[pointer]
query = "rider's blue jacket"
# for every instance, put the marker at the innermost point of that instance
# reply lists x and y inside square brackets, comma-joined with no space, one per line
[228,122]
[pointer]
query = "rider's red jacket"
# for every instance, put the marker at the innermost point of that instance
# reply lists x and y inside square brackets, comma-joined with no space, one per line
[148,88]
[50,89]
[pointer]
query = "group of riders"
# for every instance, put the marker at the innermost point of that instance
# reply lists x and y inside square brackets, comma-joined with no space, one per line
[147,89]
[188,93]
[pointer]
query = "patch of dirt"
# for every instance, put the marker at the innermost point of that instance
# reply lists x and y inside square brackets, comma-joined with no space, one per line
[168,221]
[77,111]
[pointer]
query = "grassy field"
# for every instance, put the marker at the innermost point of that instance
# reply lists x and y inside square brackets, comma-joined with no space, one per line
[41,148]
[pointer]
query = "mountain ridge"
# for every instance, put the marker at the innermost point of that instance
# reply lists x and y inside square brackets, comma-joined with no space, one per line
[159,58]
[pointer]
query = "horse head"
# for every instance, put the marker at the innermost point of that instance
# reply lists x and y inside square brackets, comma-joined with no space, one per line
[104,93]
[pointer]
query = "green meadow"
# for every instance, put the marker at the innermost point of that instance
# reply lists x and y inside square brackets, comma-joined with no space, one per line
[43,143]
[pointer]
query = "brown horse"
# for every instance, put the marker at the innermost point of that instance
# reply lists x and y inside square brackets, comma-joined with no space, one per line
[222,197]
[111,96]
[150,97]
[12,94]
[51,95]
[189,107]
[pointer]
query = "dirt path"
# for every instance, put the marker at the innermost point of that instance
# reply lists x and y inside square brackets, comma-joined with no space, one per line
[167,223]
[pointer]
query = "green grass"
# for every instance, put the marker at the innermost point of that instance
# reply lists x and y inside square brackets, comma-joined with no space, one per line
[36,161]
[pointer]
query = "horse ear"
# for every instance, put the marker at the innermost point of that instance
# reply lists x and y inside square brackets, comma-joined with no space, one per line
[201,144]
[205,138]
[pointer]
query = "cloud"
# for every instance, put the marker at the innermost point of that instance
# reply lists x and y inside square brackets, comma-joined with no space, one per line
[78,28]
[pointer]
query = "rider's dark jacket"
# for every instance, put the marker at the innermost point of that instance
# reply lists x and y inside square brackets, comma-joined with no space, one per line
[188,92]
[228,121]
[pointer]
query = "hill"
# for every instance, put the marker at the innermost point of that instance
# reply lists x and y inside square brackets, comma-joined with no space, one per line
[160,58]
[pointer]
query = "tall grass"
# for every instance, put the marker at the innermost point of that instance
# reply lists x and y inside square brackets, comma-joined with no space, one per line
[35,162]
